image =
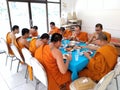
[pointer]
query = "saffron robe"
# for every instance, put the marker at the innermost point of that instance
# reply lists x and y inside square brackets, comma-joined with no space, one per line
[32,46]
[55,30]
[82,36]
[67,34]
[9,41]
[55,78]
[103,62]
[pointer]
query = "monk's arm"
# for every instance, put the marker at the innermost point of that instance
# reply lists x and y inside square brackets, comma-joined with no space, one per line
[63,67]
[91,38]
[86,38]
[13,38]
[26,44]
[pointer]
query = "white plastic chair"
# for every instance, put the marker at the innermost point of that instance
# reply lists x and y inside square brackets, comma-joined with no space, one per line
[17,55]
[6,51]
[39,72]
[117,72]
[105,81]
[27,56]
[102,84]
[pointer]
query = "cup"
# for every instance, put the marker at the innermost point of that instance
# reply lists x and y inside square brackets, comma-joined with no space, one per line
[78,50]
[70,53]
[76,57]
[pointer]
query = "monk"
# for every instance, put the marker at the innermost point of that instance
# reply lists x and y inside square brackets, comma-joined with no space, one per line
[21,43]
[78,35]
[98,29]
[66,33]
[36,42]
[34,31]
[52,59]
[102,62]
[11,38]
[54,29]
[22,40]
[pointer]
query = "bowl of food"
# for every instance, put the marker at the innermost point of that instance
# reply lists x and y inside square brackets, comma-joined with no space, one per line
[72,43]
[69,48]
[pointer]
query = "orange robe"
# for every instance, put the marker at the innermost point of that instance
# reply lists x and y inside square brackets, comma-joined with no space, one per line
[67,34]
[55,30]
[32,46]
[9,41]
[55,77]
[108,36]
[83,36]
[103,62]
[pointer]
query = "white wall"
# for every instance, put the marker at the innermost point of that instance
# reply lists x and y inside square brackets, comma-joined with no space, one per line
[106,12]
[67,6]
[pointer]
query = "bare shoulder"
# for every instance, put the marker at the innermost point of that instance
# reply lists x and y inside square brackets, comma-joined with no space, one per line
[56,52]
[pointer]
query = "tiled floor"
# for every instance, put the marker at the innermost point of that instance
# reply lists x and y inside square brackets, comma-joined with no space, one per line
[11,80]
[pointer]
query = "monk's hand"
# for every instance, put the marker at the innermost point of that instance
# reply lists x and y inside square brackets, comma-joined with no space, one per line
[77,39]
[87,55]
[87,43]
[69,57]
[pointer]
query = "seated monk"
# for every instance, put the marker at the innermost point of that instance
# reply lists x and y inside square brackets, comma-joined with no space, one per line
[102,62]
[65,33]
[11,38]
[79,35]
[34,31]
[36,42]
[98,29]
[54,29]
[21,43]
[52,59]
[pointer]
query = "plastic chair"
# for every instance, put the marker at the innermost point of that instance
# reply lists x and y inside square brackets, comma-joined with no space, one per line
[1,50]
[6,51]
[17,55]
[27,56]
[105,81]
[117,72]
[102,84]
[39,72]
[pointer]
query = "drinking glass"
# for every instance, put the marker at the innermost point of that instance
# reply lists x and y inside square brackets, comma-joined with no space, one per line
[76,57]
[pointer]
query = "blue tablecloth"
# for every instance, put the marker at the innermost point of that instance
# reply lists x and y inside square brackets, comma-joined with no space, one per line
[75,66]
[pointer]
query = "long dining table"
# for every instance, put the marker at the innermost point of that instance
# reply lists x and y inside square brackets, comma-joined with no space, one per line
[79,61]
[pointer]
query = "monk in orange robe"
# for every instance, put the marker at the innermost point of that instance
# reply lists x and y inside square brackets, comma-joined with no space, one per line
[98,29]
[65,33]
[11,38]
[54,29]
[34,31]
[36,42]
[21,43]
[102,62]
[52,60]
[79,35]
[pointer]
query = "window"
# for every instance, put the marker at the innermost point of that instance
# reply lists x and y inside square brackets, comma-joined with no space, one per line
[4,19]
[54,0]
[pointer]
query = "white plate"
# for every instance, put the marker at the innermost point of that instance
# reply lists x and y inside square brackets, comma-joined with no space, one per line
[70,50]
[81,53]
